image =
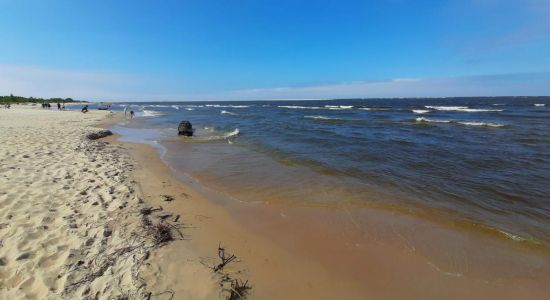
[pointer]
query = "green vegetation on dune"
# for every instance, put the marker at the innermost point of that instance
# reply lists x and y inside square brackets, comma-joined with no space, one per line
[18,99]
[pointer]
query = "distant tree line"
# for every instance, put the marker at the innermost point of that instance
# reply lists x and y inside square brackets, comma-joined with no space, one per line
[18,99]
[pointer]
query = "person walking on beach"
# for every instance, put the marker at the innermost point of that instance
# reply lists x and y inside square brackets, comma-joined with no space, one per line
[58,106]
[131,114]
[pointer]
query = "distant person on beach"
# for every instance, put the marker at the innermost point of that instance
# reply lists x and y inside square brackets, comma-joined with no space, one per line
[131,114]
[58,106]
[85,109]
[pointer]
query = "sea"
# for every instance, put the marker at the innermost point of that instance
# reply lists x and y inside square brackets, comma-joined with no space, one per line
[471,163]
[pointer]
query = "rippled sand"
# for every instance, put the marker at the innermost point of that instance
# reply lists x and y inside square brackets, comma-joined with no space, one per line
[69,221]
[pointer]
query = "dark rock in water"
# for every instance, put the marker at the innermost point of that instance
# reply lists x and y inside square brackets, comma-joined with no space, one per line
[185,128]
[99,134]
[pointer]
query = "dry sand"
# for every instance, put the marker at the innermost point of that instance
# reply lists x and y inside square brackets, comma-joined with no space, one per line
[70,216]
[72,226]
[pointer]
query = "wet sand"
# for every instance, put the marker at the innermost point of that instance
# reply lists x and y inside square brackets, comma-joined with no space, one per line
[298,252]
[72,227]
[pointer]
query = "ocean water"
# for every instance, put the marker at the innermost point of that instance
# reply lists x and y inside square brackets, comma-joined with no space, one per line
[474,163]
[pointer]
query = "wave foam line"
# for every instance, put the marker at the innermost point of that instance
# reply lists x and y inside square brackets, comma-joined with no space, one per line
[461,108]
[300,107]
[228,113]
[320,118]
[482,124]
[339,107]
[150,113]
[420,111]
[227,106]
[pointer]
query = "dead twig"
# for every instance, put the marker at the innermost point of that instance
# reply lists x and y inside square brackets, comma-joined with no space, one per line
[224,259]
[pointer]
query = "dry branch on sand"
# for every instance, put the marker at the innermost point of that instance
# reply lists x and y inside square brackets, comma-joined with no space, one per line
[233,289]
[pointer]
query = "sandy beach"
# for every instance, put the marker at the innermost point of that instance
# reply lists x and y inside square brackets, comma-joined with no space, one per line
[102,219]
[72,225]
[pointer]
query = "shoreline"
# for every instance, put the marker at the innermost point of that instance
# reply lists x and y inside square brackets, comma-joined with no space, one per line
[259,260]
[321,258]
[76,227]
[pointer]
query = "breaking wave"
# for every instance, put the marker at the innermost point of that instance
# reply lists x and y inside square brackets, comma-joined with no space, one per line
[540,104]
[320,118]
[461,108]
[431,120]
[227,106]
[481,124]
[300,107]
[228,113]
[149,113]
[157,105]
[231,133]
[339,107]
[420,111]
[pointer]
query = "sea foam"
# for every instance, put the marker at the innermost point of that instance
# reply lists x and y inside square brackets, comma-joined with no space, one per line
[320,118]
[482,124]
[228,113]
[420,111]
[150,113]
[462,109]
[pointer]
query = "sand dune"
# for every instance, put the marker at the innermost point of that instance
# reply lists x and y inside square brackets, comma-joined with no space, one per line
[70,222]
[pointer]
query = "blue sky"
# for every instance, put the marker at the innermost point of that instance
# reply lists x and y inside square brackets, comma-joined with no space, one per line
[220,50]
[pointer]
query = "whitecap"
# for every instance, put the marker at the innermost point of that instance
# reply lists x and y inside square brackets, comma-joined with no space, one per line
[149,113]
[540,104]
[338,107]
[421,119]
[232,133]
[228,112]
[481,110]
[481,124]
[420,111]
[446,107]
[320,118]
[300,107]
[461,108]
[227,106]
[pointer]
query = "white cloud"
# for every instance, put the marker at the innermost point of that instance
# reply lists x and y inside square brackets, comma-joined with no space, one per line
[44,82]
[492,85]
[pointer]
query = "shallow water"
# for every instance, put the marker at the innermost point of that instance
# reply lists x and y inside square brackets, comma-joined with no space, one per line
[481,164]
